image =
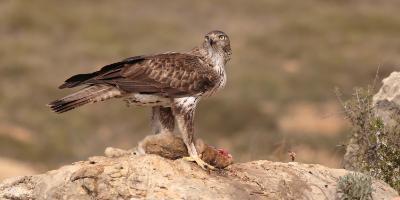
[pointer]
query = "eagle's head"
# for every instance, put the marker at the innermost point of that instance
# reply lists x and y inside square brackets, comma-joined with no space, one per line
[217,42]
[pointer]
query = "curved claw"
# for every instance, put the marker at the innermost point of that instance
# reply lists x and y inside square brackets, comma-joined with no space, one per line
[199,162]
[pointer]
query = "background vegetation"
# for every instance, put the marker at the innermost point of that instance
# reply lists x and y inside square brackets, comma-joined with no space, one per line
[374,145]
[287,58]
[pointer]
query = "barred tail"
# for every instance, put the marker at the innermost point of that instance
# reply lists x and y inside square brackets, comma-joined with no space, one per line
[84,96]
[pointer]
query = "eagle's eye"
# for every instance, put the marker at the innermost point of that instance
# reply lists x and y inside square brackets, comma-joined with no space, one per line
[222,37]
[206,38]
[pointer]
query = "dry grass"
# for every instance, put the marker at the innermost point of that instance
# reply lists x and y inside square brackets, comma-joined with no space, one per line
[284,52]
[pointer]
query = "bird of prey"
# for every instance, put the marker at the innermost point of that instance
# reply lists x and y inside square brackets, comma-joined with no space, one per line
[171,83]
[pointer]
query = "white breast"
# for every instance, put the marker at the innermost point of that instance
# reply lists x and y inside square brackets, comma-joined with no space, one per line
[219,67]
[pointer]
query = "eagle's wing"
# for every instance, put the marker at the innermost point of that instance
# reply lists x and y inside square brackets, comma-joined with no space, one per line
[170,75]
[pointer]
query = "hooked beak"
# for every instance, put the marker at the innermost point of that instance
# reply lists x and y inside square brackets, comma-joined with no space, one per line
[211,41]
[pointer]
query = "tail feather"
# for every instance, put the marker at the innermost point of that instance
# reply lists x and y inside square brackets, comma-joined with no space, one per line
[87,95]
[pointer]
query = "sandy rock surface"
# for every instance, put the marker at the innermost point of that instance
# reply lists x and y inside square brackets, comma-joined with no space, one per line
[124,175]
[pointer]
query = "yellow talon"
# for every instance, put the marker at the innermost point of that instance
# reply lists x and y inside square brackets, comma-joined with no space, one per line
[199,162]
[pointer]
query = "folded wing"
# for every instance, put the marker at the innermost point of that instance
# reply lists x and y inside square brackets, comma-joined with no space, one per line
[169,75]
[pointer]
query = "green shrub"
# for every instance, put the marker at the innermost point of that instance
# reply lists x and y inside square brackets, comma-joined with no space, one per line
[375,146]
[355,186]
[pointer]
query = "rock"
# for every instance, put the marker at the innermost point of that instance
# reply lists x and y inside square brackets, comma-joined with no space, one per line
[112,152]
[387,100]
[390,90]
[136,174]
[130,176]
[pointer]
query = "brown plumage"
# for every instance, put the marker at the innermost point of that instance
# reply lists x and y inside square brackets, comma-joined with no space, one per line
[168,75]
[172,83]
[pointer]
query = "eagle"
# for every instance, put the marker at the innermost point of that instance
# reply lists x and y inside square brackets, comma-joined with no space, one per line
[171,83]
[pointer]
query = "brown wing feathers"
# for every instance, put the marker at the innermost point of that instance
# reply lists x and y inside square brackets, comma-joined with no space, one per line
[80,79]
[173,75]
[170,75]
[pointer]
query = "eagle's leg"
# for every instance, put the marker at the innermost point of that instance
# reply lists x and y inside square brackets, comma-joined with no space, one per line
[183,109]
[162,120]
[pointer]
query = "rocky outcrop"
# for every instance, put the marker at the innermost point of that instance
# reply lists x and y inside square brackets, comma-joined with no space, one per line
[124,175]
[387,100]
[127,175]
[390,90]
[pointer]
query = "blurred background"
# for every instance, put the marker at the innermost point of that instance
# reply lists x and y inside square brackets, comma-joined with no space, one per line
[288,56]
